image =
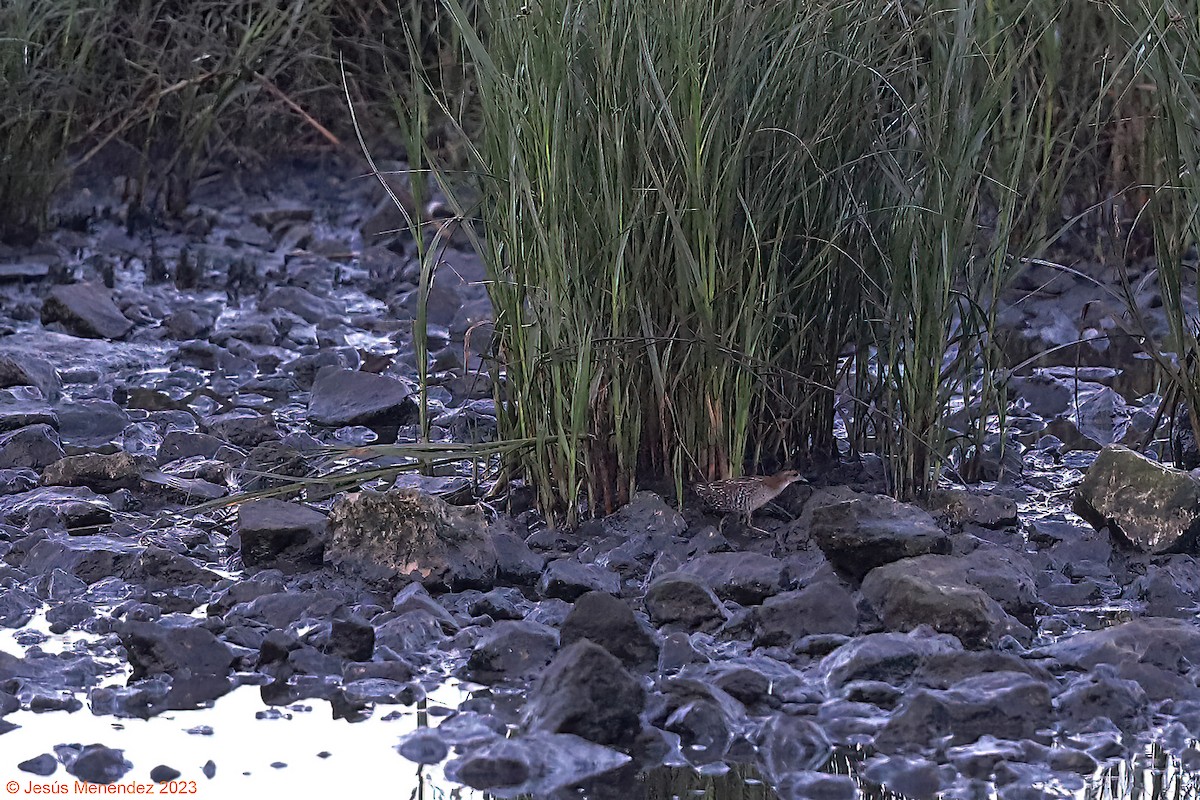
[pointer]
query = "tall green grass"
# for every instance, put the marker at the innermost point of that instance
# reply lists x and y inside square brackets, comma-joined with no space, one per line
[700,218]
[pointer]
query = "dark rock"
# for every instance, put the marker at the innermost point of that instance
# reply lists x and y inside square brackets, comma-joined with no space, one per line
[933,590]
[89,558]
[154,649]
[164,774]
[1168,590]
[343,397]
[819,608]
[514,559]
[537,765]
[23,369]
[86,310]
[351,637]
[499,604]
[985,510]
[1009,705]
[160,569]
[1105,696]
[302,303]
[35,447]
[101,473]
[818,786]
[404,535]
[410,632]
[567,579]
[745,578]
[790,744]
[185,444]
[24,406]
[1151,506]
[868,531]
[910,776]
[43,765]
[423,747]
[511,651]
[610,623]
[586,692]
[889,657]
[17,608]
[66,615]
[246,429]
[380,690]
[682,601]
[278,534]
[91,423]
[95,763]
[415,597]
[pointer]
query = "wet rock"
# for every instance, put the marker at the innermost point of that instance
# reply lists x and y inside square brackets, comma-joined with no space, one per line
[910,776]
[678,600]
[1104,695]
[367,691]
[1150,506]
[705,730]
[515,562]
[159,569]
[745,578]
[67,615]
[24,369]
[343,397]
[790,744]
[154,648]
[985,510]
[868,531]
[410,632]
[586,692]
[34,446]
[302,303]
[86,310]
[817,786]
[1009,705]
[24,406]
[101,473]
[43,765]
[499,604]
[610,623]
[350,637]
[933,590]
[567,579]
[822,607]
[89,558]
[91,423]
[978,761]
[17,481]
[1168,590]
[889,657]
[1153,651]
[189,323]
[164,774]
[511,650]
[415,597]
[535,764]
[17,608]
[423,747]
[405,535]
[94,763]
[283,535]
[246,429]
[186,444]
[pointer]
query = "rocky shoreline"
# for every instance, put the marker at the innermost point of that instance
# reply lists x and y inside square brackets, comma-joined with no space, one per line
[994,639]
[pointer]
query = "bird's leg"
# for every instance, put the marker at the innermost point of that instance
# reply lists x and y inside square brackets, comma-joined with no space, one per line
[779,511]
[750,524]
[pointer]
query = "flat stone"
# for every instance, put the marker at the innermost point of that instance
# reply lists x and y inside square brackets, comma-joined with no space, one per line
[343,397]
[86,310]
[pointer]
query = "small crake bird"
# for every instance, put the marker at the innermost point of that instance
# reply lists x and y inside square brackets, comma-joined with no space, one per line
[745,495]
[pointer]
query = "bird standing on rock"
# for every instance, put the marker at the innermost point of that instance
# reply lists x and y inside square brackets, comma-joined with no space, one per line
[745,495]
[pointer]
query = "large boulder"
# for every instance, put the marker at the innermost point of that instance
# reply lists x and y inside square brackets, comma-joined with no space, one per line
[403,535]
[85,309]
[936,591]
[1150,506]
[868,531]
[587,692]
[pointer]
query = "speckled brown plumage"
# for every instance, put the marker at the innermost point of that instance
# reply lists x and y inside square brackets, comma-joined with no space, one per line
[744,495]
